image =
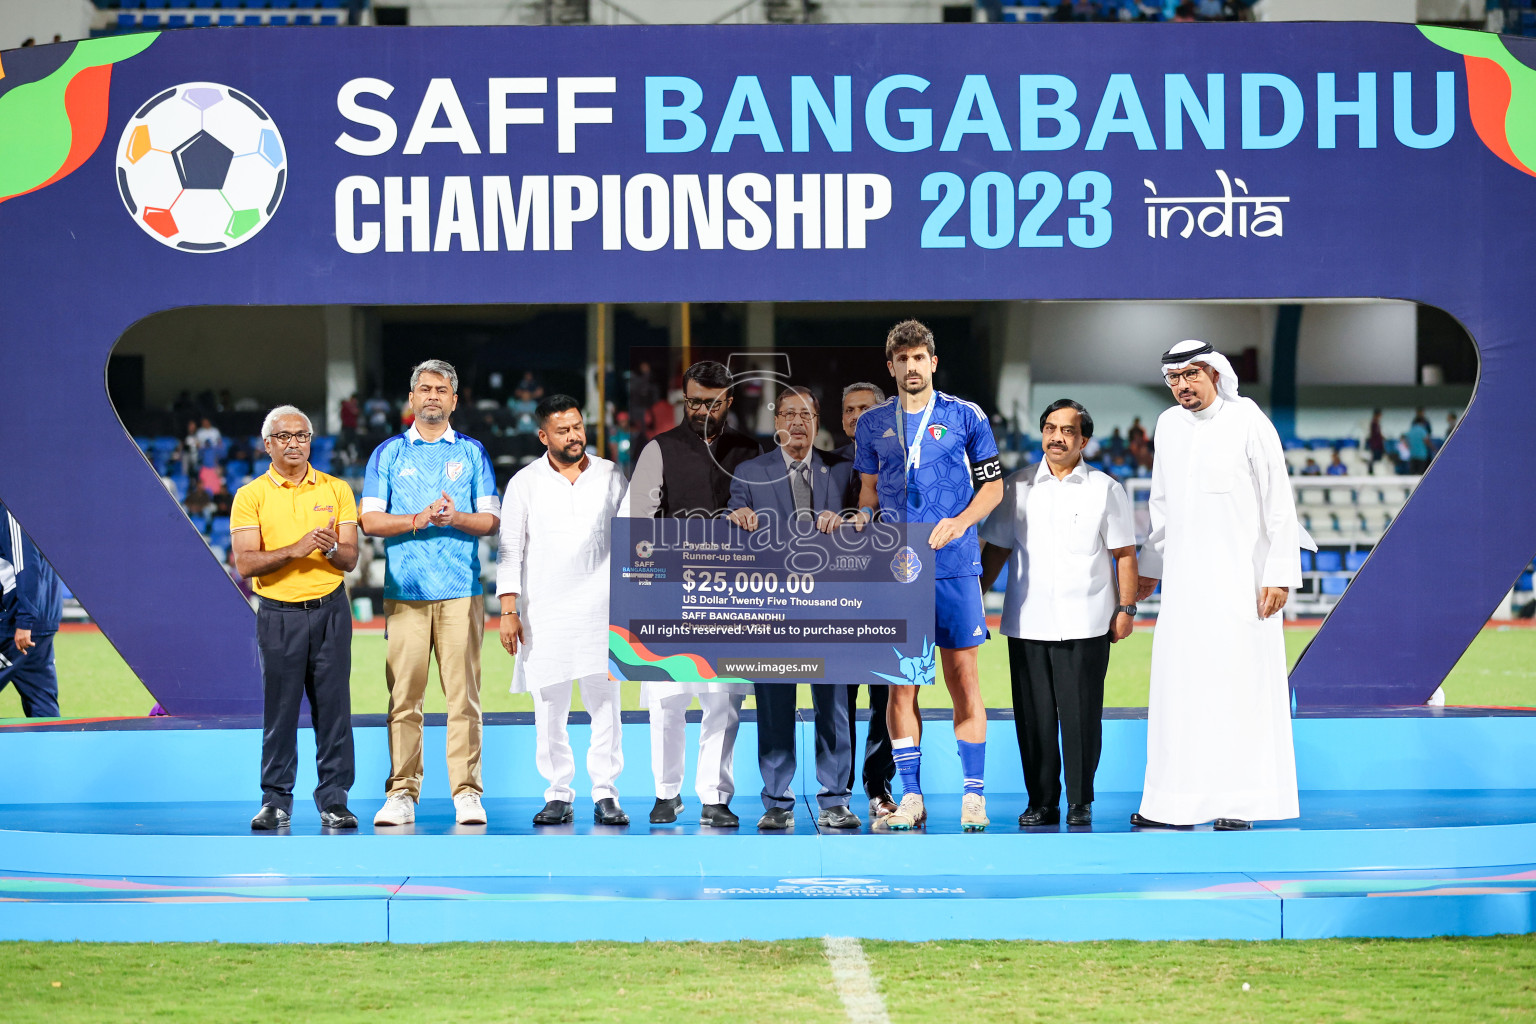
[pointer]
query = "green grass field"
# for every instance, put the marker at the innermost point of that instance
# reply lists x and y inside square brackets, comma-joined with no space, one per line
[1426,981]
[1499,669]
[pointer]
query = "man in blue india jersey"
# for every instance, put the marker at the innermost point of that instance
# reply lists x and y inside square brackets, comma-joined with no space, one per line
[431,494]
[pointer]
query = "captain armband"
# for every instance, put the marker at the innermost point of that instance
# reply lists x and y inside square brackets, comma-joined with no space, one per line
[987,470]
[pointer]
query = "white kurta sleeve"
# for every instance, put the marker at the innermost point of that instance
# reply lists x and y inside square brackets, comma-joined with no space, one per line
[513,540]
[1149,561]
[643,498]
[1277,505]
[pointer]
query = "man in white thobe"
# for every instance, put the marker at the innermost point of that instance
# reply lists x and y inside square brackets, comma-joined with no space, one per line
[552,578]
[1225,542]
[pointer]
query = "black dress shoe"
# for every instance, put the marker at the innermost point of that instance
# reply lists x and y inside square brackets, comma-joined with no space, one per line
[271,818]
[1232,825]
[1079,814]
[777,819]
[337,816]
[1040,816]
[556,812]
[838,817]
[608,812]
[664,812]
[1141,822]
[718,816]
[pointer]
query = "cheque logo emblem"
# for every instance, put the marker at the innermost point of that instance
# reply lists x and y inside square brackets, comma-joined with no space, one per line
[644,549]
[201,167]
[914,671]
[906,566]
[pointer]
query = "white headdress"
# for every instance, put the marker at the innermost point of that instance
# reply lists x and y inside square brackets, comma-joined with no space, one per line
[1187,353]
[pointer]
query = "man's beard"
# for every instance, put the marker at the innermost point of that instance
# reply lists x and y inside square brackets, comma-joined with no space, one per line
[562,456]
[706,426]
[912,388]
[432,414]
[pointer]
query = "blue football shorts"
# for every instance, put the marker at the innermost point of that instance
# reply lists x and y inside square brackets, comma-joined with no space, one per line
[959,619]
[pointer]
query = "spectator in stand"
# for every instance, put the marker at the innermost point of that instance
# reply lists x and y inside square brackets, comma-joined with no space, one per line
[620,440]
[176,462]
[1375,440]
[528,388]
[1418,444]
[208,435]
[223,501]
[211,477]
[199,503]
[1450,425]
[349,415]
[376,414]
[194,456]
[1114,444]
[1312,468]
[1420,418]
[1137,434]
[1336,465]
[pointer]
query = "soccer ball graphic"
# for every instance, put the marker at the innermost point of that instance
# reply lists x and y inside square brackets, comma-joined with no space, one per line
[201,167]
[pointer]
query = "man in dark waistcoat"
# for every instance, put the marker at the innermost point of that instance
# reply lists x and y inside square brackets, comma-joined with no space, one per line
[684,473]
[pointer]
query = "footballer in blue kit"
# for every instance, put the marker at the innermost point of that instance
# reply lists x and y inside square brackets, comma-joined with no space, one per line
[928,457]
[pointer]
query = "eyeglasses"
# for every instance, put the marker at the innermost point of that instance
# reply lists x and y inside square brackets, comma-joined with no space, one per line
[1192,374]
[798,414]
[302,437]
[695,404]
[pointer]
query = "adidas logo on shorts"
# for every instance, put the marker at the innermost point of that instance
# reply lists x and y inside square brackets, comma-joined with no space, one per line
[978,631]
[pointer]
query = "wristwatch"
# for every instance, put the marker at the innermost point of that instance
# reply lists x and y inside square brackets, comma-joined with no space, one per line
[333,550]
[1129,609]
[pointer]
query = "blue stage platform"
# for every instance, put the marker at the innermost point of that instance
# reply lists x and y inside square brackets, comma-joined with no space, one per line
[1413,823]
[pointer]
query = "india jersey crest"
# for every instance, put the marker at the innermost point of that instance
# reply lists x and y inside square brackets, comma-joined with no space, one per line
[906,566]
[454,470]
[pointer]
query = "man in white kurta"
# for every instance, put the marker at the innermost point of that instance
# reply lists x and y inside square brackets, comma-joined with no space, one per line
[1225,541]
[552,578]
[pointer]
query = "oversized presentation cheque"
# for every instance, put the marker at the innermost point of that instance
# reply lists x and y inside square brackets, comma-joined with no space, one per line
[702,600]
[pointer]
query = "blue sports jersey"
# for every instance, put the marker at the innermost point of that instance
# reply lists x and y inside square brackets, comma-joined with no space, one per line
[405,475]
[956,439]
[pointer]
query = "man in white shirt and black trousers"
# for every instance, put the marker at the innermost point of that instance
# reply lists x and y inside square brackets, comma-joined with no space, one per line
[1065,532]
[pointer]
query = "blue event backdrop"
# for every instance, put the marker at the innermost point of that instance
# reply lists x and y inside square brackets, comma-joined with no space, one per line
[976,138]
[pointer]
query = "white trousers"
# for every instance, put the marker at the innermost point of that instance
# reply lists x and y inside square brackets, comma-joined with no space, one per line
[605,755]
[714,781]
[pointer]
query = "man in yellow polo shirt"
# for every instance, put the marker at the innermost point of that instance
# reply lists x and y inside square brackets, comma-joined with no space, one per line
[293,532]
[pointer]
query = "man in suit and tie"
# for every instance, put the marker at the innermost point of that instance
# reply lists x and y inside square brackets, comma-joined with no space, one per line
[879,765]
[797,481]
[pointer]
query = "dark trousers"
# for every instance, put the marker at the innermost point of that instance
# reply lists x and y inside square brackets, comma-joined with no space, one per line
[32,673]
[776,717]
[1058,686]
[306,652]
[879,765]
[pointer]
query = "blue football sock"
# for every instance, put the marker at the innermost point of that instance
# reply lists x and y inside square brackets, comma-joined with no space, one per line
[973,764]
[909,764]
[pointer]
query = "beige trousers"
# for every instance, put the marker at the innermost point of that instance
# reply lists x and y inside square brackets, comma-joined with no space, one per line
[453,629]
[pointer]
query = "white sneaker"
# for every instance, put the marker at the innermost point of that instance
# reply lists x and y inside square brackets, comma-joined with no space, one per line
[467,809]
[910,813]
[973,813]
[398,809]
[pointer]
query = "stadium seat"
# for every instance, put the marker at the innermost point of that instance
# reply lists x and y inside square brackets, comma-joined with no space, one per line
[218,531]
[228,20]
[202,20]
[1341,496]
[1329,560]
[1354,559]
[176,21]
[237,468]
[1312,495]
[1366,496]
[1526,583]
[1333,586]
[1376,521]
[1306,560]
[126,20]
